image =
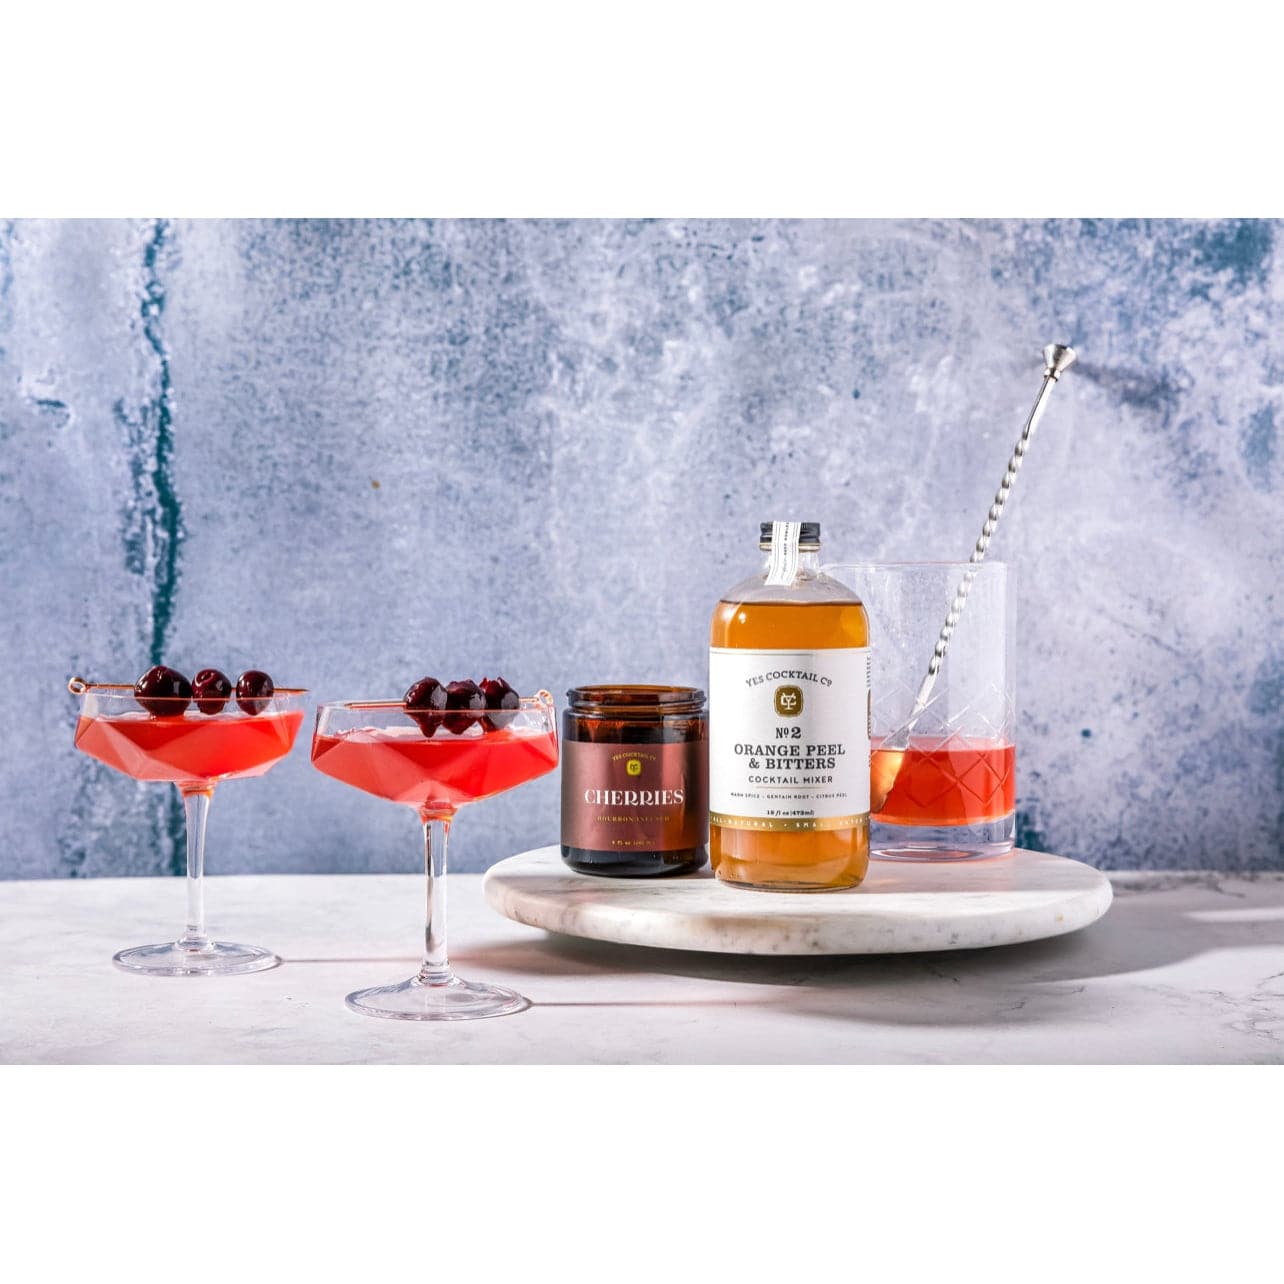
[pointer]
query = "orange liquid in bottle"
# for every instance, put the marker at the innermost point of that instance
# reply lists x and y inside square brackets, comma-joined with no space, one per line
[811,860]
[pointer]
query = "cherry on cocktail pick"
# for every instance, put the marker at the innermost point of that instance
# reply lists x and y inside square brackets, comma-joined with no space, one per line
[211,691]
[163,690]
[253,691]
[499,696]
[464,695]
[425,702]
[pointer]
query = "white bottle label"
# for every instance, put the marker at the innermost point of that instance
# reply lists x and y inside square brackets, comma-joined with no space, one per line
[788,738]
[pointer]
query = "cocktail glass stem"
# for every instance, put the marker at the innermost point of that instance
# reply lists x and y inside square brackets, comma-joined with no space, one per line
[194,954]
[196,805]
[436,966]
[435,993]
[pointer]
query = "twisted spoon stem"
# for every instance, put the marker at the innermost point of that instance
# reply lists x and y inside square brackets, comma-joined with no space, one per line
[1057,360]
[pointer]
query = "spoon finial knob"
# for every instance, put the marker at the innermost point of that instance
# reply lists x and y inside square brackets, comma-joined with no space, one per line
[1058,358]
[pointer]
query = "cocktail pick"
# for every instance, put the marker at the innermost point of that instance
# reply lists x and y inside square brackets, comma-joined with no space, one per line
[1057,359]
[79,685]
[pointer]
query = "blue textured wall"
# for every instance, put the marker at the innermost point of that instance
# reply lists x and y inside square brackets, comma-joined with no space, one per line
[354,452]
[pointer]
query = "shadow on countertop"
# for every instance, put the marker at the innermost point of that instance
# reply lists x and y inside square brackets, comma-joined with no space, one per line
[1144,930]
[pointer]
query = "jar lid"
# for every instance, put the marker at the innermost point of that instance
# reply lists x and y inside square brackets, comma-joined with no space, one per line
[614,699]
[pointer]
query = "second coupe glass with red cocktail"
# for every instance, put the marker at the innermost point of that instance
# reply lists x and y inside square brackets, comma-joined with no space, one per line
[438,750]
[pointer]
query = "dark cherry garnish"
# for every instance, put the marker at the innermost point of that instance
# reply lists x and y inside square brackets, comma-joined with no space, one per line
[499,695]
[163,690]
[463,696]
[425,702]
[253,691]
[211,690]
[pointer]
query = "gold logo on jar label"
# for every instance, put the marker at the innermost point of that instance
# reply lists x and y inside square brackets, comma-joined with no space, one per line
[789,701]
[634,767]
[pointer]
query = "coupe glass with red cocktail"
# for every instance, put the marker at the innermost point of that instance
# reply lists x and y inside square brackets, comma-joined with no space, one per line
[436,751]
[193,735]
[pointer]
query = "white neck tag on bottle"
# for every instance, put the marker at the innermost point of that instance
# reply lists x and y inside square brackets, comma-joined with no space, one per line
[783,566]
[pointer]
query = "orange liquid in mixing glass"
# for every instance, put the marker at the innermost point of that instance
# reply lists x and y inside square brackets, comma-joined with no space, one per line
[960,782]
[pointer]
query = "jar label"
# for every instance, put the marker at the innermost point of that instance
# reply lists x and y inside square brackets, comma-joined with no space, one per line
[788,738]
[635,797]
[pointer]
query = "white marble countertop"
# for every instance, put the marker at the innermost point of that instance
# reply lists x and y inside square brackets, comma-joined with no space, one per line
[1184,968]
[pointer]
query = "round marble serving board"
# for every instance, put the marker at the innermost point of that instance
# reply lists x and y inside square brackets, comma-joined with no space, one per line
[901,907]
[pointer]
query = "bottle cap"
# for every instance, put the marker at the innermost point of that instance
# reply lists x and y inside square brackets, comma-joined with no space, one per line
[810,534]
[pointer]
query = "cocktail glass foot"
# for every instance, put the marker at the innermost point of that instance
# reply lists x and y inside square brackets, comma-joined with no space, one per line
[446,1000]
[212,958]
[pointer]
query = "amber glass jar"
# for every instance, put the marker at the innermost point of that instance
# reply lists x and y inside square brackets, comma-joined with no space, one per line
[635,780]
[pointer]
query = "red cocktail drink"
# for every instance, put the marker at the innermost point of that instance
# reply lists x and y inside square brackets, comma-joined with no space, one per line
[437,775]
[189,750]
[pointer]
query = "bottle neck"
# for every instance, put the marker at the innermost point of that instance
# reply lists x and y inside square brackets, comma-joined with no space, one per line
[808,562]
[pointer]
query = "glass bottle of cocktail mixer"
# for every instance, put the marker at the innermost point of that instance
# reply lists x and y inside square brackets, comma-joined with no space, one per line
[789,723]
